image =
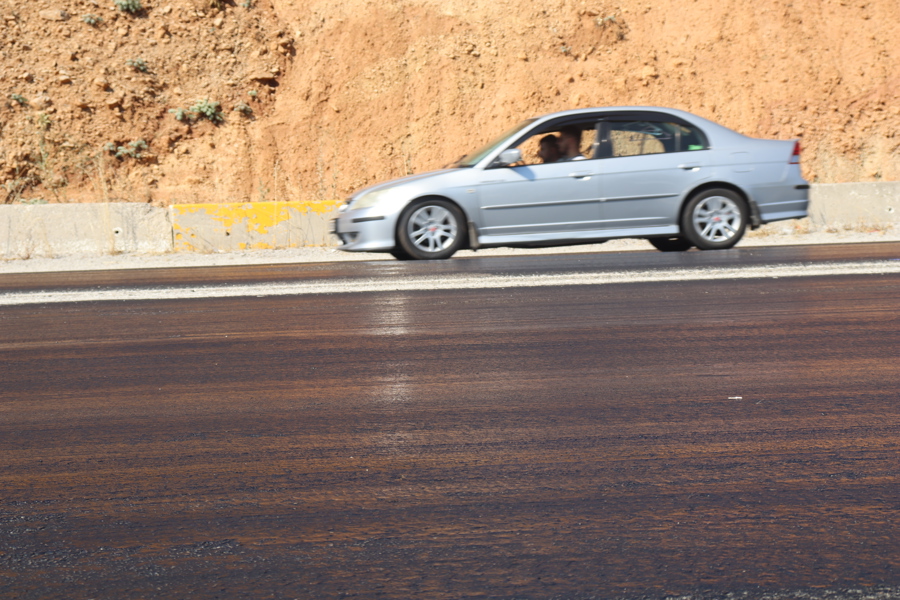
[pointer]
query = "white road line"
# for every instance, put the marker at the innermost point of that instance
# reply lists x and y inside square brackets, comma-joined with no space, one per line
[450,282]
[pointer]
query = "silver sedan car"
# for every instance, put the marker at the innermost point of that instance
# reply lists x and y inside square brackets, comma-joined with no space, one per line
[585,176]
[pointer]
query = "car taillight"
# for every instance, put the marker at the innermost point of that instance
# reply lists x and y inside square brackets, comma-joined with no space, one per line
[795,157]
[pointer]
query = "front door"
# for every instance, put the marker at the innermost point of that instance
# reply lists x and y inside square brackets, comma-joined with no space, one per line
[540,199]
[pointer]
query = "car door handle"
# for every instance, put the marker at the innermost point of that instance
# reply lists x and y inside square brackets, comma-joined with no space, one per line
[581,174]
[689,166]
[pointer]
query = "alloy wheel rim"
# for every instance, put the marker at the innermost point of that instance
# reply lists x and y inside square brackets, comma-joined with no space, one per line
[432,228]
[717,218]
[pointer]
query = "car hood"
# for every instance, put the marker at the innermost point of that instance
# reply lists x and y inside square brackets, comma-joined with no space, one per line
[402,180]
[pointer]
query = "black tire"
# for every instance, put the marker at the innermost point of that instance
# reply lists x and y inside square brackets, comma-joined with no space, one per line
[400,254]
[672,244]
[714,219]
[431,229]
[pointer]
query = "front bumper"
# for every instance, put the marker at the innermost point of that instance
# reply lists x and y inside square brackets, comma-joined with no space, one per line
[359,231]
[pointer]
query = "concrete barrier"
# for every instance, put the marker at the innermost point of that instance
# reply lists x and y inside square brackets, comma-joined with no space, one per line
[52,230]
[251,226]
[874,205]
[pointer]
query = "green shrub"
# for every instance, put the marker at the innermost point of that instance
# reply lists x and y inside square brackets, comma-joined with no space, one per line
[209,110]
[202,109]
[137,64]
[180,114]
[131,150]
[20,99]
[129,6]
[243,108]
[91,19]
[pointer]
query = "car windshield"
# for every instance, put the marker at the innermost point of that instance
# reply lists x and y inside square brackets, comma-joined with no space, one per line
[470,160]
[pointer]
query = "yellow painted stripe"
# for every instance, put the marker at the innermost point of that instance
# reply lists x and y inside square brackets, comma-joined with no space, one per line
[255,216]
[244,225]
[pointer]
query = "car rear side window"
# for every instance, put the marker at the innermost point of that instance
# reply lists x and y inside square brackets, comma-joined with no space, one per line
[690,138]
[637,138]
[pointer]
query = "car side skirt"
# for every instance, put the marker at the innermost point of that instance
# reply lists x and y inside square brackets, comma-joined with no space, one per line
[784,215]
[587,236]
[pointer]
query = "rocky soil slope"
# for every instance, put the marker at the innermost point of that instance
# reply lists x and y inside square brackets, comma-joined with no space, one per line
[168,101]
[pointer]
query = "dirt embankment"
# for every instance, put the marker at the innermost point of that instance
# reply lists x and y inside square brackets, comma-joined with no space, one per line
[249,100]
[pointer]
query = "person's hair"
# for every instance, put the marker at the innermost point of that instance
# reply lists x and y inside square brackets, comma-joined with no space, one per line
[547,139]
[571,131]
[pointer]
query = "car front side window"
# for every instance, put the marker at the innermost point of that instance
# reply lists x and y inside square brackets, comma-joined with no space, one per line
[547,145]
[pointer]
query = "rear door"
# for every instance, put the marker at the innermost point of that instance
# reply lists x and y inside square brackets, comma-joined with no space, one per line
[647,163]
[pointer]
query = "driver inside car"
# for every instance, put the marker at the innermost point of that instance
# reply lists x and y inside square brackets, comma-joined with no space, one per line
[549,151]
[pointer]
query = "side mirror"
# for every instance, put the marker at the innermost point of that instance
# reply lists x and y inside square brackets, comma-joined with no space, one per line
[508,157]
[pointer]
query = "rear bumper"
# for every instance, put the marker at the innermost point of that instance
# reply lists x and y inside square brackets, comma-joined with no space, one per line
[777,203]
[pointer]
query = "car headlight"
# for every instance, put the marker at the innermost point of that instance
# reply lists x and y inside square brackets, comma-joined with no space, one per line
[370,199]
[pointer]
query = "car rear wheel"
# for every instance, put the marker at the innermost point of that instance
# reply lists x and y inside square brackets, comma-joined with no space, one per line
[672,244]
[714,219]
[431,229]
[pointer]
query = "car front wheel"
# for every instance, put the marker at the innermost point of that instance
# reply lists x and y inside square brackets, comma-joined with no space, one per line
[431,229]
[714,219]
[673,244]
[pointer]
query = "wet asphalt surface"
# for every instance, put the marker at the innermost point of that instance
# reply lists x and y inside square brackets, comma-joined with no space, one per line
[520,265]
[619,441]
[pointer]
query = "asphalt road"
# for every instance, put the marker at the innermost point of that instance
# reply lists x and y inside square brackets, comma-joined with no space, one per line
[627,440]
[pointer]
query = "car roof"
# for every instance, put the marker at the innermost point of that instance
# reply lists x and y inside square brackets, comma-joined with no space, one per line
[719,133]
